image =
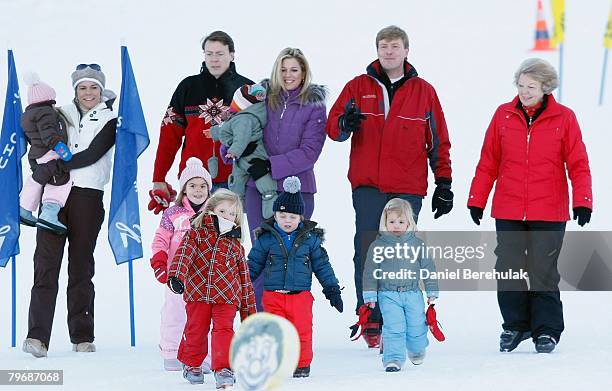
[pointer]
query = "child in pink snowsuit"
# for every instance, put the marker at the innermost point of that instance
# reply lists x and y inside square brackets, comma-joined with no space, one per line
[195,184]
[46,132]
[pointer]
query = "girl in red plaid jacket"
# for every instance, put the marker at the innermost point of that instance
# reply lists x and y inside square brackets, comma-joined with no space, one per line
[210,270]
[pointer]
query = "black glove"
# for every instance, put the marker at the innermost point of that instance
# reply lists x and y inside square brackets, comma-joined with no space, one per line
[476,214]
[333,295]
[250,148]
[442,200]
[352,117]
[45,173]
[259,167]
[176,285]
[583,214]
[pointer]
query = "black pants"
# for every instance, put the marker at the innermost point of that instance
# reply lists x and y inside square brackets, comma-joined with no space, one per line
[369,203]
[83,215]
[533,246]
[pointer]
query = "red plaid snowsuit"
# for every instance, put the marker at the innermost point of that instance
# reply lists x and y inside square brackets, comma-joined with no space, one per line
[217,283]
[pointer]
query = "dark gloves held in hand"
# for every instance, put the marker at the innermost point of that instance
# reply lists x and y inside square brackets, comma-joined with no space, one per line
[350,121]
[476,214]
[259,167]
[333,295]
[250,148]
[176,285]
[442,200]
[583,214]
[52,172]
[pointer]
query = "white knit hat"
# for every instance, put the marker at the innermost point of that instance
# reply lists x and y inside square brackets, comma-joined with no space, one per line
[37,90]
[88,74]
[194,169]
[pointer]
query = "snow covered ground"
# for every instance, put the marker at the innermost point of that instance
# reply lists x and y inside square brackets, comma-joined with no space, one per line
[468,50]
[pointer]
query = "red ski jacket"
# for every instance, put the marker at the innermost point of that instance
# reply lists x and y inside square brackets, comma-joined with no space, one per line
[391,149]
[529,165]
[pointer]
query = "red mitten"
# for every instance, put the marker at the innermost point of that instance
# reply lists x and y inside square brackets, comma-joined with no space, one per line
[432,322]
[159,263]
[363,313]
[160,200]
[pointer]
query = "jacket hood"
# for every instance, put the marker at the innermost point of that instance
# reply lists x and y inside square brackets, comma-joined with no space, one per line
[376,71]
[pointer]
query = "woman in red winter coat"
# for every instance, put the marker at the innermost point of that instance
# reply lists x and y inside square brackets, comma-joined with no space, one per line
[530,144]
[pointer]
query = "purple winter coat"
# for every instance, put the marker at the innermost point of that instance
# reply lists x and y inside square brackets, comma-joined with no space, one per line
[294,136]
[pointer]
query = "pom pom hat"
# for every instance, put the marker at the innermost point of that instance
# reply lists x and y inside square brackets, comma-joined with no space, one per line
[37,90]
[290,200]
[194,169]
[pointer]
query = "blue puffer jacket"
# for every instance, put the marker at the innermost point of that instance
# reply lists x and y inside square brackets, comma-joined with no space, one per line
[291,268]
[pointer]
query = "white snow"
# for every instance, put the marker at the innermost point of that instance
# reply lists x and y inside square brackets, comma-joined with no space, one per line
[468,50]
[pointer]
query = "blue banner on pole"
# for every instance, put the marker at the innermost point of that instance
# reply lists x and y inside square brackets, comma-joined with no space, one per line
[12,149]
[132,139]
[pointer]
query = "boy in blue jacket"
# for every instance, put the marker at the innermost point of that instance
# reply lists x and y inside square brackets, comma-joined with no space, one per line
[288,250]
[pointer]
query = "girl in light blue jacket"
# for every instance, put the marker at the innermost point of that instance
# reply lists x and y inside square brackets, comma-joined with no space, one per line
[391,277]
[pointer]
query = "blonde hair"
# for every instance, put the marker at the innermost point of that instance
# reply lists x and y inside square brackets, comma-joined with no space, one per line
[215,199]
[401,207]
[276,85]
[182,193]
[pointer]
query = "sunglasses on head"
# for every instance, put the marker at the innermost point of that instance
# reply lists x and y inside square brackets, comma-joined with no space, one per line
[95,67]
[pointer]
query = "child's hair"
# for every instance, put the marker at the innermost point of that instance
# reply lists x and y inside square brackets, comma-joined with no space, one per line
[215,199]
[182,193]
[400,207]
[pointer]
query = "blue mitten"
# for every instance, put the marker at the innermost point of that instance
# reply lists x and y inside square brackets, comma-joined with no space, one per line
[63,151]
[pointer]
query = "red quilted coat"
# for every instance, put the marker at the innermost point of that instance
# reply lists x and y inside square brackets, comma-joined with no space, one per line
[530,164]
[213,268]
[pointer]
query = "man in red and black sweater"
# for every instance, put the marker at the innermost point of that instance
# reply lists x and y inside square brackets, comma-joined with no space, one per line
[199,102]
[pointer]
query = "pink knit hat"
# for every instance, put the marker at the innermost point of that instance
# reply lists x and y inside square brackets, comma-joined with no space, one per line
[194,169]
[37,90]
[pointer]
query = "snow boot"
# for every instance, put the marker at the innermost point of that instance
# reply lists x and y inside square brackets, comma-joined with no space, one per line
[193,375]
[510,339]
[172,364]
[84,347]
[371,334]
[48,219]
[27,218]
[545,343]
[416,358]
[206,368]
[302,372]
[35,347]
[224,378]
[393,366]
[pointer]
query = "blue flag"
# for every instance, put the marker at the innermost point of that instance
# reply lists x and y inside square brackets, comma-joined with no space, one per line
[132,139]
[12,149]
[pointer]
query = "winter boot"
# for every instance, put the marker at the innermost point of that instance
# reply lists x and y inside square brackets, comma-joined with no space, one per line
[417,358]
[545,343]
[48,219]
[193,375]
[35,347]
[371,334]
[302,372]
[172,364]
[84,347]
[393,366]
[206,368]
[510,339]
[224,378]
[267,204]
[27,218]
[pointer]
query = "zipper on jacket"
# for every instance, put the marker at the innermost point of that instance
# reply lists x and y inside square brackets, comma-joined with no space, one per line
[284,108]
[527,163]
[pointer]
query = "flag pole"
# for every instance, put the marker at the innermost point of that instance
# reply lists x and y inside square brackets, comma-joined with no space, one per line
[603,77]
[131,293]
[13,302]
[560,72]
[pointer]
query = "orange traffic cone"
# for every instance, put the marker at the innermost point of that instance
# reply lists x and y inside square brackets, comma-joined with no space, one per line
[542,39]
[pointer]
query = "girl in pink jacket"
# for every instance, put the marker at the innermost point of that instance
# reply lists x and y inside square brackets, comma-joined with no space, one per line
[195,184]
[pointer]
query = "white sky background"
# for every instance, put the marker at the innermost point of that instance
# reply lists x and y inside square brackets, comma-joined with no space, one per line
[468,50]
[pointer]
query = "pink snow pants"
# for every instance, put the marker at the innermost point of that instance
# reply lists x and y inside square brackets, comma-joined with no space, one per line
[32,191]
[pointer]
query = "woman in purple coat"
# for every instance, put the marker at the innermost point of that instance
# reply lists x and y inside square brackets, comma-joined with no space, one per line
[293,136]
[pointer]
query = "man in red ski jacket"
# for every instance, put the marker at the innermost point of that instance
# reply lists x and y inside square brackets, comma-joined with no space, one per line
[397,126]
[199,102]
